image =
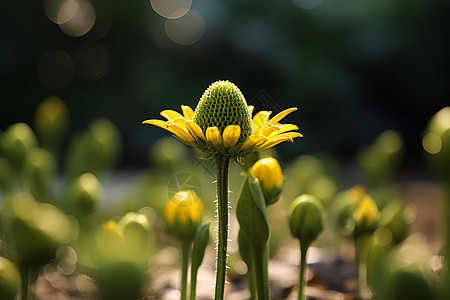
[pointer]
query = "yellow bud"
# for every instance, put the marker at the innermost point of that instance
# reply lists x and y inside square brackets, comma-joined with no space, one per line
[183,213]
[112,232]
[356,193]
[366,215]
[269,174]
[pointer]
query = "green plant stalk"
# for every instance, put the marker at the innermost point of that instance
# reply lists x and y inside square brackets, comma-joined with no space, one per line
[222,166]
[185,252]
[24,278]
[360,262]
[193,284]
[301,277]
[259,273]
[28,276]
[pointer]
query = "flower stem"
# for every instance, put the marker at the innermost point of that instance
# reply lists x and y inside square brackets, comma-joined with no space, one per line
[222,166]
[301,277]
[185,249]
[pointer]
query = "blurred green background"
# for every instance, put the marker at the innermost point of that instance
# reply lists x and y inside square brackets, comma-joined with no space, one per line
[354,68]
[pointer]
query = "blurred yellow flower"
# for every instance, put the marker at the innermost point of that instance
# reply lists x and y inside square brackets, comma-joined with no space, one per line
[183,213]
[184,207]
[222,124]
[366,214]
[112,233]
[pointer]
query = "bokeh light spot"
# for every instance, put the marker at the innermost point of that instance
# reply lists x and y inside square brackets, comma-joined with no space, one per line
[186,30]
[171,9]
[67,11]
[432,143]
[82,20]
[55,69]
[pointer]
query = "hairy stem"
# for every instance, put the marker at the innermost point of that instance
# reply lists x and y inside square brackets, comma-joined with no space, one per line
[222,166]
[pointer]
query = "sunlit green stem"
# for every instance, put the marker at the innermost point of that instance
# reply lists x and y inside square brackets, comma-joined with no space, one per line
[186,250]
[222,166]
[361,263]
[301,277]
[260,275]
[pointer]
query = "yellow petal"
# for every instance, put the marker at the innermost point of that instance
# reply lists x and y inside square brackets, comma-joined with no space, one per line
[231,135]
[261,127]
[260,117]
[195,130]
[170,115]
[180,131]
[284,128]
[187,112]
[250,109]
[292,134]
[281,115]
[274,141]
[213,136]
[180,121]
[270,130]
[159,123]
[252,141]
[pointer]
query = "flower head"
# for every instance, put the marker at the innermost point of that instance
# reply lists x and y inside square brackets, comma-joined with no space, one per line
[222,124]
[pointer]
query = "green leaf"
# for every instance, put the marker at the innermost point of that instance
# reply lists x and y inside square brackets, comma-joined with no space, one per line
[198,251]
[251,213]
[200,242]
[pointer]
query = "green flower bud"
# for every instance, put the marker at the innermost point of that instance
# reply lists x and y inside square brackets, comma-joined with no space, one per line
[223,104]
[306,219]
[6,174]
[18,139]
[51,121]
[41,169]
[183,213]
[397,218]
[436,143]
[35,230]
[9,279]
[269,174]
[106,141]
[168,154]
[84,193]
[136,232]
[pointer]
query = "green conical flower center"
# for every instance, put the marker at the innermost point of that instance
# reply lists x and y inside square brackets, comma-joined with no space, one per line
[223,104]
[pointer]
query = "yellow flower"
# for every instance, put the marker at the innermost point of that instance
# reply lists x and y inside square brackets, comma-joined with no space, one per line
[112,233]
[222,124]
[366,215]
[269,174]
[183,213]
